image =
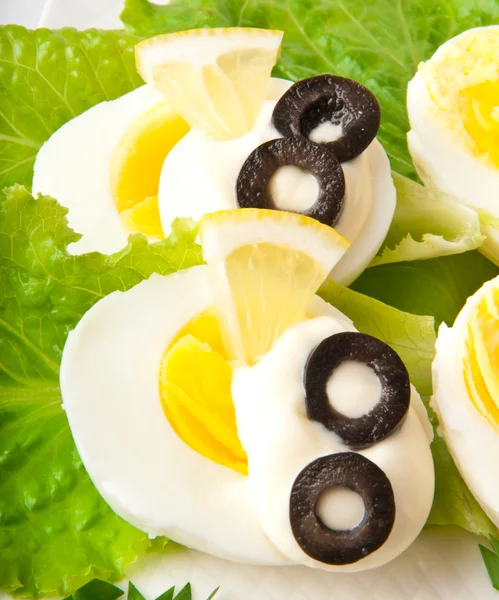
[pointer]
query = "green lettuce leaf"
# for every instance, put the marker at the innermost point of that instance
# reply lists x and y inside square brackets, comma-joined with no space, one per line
[56,532]
[427,224]
[453,503]
[438,286]
[413,337]
[49,77]
[379,43]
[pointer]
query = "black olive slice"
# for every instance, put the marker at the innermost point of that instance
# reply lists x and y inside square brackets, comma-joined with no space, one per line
[252,187]
[359,474]
[386,416]
[329,98]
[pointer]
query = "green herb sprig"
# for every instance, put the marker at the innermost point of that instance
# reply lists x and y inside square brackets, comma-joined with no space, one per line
[102,590]
[491,560]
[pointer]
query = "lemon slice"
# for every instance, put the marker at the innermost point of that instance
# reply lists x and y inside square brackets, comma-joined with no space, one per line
[265,266]
[215,78]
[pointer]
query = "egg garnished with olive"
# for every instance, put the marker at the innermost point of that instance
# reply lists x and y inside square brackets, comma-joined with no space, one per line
[211,130]
[466,393]
[232,410]
[453,107]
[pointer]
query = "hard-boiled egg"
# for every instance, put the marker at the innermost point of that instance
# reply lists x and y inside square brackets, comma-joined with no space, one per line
[466,393]
[182,443]
[200,175]
[110,383]
[452,104]
[104,167]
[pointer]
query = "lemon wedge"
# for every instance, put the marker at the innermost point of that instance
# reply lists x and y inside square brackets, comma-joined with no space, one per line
[265,266]
[215,78]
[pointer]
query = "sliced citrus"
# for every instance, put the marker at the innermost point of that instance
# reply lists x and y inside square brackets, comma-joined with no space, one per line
[195,390]
[215,78]
[265,265]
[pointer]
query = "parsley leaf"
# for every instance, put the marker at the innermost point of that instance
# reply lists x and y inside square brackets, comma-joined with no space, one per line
[491,561]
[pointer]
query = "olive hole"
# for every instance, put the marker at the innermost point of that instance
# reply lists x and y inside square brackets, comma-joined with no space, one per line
[327,111]
[326,132]
[340,508]
[353,389]
[293,188]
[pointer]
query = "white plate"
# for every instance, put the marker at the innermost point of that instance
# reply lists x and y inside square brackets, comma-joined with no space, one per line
[440,565]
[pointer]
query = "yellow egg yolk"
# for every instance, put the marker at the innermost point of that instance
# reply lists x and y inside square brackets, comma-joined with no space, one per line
[136,167]
[481,357]
[463,82]
[195,390]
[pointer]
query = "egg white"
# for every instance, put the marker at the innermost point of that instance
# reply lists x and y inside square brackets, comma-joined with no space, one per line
[471,439]
[280,441]
[146,473]
[199,176]
[445,163]
[74,167]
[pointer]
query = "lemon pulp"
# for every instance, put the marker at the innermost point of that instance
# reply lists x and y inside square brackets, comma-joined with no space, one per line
[195,392]
[463,81]
[269,288]
[136,167]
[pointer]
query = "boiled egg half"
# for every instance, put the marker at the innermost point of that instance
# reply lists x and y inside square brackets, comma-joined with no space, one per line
[466,393]
[453,107]
[315,452]
[176,147]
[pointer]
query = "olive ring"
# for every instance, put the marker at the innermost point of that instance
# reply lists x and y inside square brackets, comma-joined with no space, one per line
[386,416]
[252,187]
[359,474]
[329,98]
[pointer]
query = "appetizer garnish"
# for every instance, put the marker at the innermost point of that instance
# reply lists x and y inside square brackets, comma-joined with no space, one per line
[452,105]
[228,407]
[311,150]
[211,130]
[215,78]
[266,265]
[466,393]
[338,112]
[295,439]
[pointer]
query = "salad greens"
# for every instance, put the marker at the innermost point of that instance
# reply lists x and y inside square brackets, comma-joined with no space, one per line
[427,224]
[56,533]
[101,590]
[49,77]
[438,287]
[491,560]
